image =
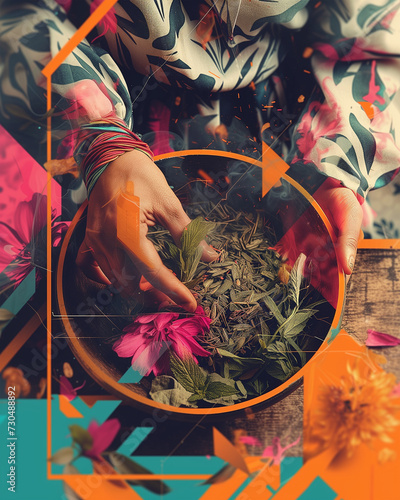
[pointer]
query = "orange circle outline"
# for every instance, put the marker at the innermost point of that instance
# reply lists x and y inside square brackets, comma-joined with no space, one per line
[120,389]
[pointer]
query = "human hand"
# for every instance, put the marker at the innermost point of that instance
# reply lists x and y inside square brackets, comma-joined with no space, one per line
[344,211]
[105,259]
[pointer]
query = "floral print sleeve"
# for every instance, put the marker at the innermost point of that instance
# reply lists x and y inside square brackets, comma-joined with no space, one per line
[350,128]
[85,86]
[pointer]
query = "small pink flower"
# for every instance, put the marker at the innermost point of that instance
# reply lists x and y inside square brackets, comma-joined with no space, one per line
[321,121]
[67,390]
[150,337]
[103,435]
[25,243]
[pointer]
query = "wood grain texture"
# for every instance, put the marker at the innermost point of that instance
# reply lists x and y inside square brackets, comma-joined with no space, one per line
[373,300]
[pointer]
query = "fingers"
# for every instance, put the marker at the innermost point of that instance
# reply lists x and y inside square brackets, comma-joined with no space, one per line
[175,219]
[347,216]
[149,264]
[86,262]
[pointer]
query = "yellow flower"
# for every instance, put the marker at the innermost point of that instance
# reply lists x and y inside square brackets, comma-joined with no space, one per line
[358,410]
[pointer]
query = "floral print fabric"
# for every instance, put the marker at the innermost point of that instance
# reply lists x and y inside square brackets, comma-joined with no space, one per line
[347,128]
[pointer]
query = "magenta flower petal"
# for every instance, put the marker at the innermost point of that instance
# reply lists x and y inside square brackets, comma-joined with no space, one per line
[149,337]
[162,320]
[192,346]
[378,339]
[128,344]
[11,244]
[148,358]
[146,318]
[66,388]
[189,326]
[30,217]
[102,435]
[162,365]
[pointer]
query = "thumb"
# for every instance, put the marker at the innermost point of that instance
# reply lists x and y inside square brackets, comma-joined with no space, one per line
[347,216]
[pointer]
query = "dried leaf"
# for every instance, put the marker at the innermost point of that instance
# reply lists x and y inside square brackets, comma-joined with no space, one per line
[5,315]
[63,456]
[296,277]
[167,390]
[125,465]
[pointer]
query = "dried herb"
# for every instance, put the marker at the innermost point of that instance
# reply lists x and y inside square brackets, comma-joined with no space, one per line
[254,298]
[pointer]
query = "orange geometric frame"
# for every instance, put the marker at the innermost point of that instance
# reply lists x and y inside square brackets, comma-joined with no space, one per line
[51,67]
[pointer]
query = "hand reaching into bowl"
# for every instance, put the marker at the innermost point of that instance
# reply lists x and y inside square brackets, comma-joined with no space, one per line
[104,258]
[344,211]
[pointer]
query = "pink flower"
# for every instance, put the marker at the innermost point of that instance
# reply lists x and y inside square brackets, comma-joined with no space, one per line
[103,435]
[274,451]
[151,336]
[25,243]
[67,390]
[319,122]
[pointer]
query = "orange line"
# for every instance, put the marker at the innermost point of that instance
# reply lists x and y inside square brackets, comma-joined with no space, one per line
[213,74]
[114,386]
[48,265]
[22,337]
[78,36]
[139,477]
[378,244]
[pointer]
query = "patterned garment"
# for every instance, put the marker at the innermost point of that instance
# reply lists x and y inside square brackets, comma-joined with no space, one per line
[350,118]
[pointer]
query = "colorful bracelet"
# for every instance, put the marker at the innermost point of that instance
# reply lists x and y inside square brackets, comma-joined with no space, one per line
[101,142]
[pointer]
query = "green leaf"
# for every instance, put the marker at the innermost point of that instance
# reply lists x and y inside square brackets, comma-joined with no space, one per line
[269,302]
[296,277]
[238,365]
[81,436]
[191,263]
[188,373]
[278,369]
[125,465]
[241,387]
[64,456]
[174,251]
[302,354]
[167,390]
[195,397]
[296,323]
[257,388]
[194,233]
[218,390]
